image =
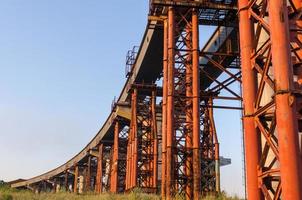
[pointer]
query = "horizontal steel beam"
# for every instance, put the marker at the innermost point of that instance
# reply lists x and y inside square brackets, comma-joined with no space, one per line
[195,4]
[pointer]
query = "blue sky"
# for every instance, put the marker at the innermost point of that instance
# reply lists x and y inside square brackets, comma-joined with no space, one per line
[61,64]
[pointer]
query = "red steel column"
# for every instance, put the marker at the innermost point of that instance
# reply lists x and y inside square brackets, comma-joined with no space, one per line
[130,148]
[217,167]
[88,175]
[128,169]
[164,111]
[155,142]
[188,166]
[196,106]
[66,181]
[216,144]
[135,142]
[290,161]
[99,173]
[76,175]
[298,5]
[114,172]
[170,103]
[252,142]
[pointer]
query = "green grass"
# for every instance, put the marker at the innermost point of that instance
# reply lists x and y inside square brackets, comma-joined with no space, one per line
[7,193]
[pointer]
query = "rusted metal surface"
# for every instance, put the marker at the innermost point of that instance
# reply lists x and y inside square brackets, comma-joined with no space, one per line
[271,133]
[196,106]
[164,110]
[99,173]
[114,168]
[75,181]
[287,129]
[66,181]
[142,155]
[252,140]
[88,175]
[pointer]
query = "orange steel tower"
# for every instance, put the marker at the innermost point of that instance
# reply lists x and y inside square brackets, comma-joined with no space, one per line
[142,150]
[182,99]
[190,145]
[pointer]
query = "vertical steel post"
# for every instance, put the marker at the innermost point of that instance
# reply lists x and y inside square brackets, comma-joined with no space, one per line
[170,104]
[155,141]
[217,167]
[135,142]
[54,185]
[164,110]
[189,120]
[114,169]
[252,142]
[216,145]
[128,169]
[132,152]
[76,175]
[196,106]
[66,181]
[290,161]
[88,175]
[99,173]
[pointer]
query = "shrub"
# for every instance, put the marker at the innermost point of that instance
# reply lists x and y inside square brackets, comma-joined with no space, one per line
[6,197]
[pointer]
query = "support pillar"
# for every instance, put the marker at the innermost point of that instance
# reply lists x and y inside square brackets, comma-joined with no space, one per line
[217,168]
[76,175]
[114,169]
[66,180]
[196,106]
[290,161]
[88,175]
[189,121]
[134,141]
[132,149]
[155,141]
[164,110]
[170,105]
[216,152]
[99,173]
[252,142]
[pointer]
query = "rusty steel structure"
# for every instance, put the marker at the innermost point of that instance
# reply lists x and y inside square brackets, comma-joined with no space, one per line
[142,150]
[161,135]
[271,123]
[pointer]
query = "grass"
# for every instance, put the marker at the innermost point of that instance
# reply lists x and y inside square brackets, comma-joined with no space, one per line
[7,193]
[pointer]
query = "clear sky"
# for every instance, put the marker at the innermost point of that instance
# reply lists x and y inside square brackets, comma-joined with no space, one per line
[61,64]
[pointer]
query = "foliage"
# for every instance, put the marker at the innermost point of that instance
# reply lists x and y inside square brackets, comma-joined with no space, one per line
[7,193]
[2,183]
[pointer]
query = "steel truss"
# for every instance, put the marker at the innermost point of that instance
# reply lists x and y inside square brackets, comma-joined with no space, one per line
[100,170]
[190,151]
[142,150]
[273,161]
[220,74]
[210,180]
[106,167]
[181,104]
